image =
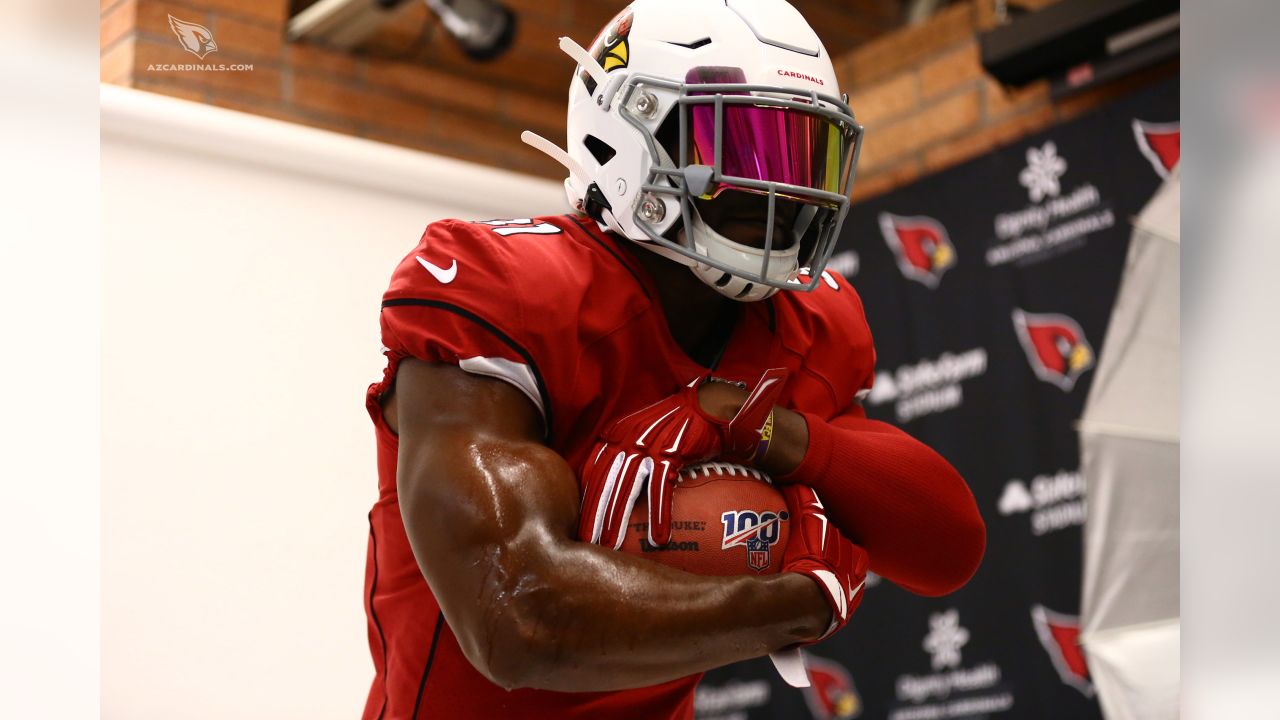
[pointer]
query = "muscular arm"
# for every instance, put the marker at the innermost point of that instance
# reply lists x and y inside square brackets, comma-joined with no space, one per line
[885,490]
[491,514]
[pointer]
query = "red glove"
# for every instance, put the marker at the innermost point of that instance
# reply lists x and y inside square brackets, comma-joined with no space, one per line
[653,444]
[817,549]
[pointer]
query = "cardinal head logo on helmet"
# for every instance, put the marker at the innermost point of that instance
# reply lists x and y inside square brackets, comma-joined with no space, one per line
[610,48]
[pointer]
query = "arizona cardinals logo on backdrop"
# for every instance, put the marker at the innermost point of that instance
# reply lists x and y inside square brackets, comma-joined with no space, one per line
[831,694]
[1060,635]
[921,245]
[1055,345]
[1161,143]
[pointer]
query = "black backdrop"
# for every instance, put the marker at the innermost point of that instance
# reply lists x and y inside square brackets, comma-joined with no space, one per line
[988,288]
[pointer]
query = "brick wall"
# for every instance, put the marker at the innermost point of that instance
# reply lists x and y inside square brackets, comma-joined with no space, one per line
[918,90]
[408,84]
[926,104]
[364,94]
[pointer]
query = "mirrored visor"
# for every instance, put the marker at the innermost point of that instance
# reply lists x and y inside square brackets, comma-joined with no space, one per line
[766,143]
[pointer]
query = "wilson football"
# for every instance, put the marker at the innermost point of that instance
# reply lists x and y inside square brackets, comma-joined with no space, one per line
[725,520]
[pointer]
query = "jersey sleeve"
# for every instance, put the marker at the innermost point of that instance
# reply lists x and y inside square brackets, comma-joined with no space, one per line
[455,300]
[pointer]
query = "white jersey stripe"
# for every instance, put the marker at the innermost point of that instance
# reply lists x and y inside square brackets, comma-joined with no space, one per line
[517,374]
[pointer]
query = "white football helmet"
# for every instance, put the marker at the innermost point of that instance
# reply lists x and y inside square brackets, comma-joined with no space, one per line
[744,95]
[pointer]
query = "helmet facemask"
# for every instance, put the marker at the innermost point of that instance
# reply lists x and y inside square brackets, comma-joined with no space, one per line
[796,151]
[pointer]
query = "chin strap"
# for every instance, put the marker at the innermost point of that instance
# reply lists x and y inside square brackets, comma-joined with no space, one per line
[667,253]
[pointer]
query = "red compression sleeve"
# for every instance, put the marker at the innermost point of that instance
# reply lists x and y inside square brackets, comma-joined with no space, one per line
[898,499]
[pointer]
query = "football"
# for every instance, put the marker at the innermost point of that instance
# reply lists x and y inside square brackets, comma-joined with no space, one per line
[725,520]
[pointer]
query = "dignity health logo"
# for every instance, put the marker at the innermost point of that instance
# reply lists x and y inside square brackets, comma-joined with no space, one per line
[946,637]
[1041,175]
[952,689]
[1055,221]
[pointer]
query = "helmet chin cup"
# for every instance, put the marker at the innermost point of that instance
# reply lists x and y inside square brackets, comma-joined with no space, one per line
[783,264]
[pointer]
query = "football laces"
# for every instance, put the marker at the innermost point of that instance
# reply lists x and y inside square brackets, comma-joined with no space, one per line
[710,468]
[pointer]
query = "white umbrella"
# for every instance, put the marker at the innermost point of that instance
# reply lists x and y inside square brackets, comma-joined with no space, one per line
[1129,457]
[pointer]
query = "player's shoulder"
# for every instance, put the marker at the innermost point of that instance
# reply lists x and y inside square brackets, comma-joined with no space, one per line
[495,256]
[831,311]
[828,329]
[520,270]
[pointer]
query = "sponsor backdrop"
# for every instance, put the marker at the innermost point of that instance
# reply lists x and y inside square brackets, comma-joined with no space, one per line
[988,289]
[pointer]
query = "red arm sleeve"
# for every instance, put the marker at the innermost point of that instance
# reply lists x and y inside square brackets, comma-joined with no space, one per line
[897,498]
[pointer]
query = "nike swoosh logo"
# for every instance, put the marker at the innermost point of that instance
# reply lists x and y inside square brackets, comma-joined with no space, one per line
[444,275]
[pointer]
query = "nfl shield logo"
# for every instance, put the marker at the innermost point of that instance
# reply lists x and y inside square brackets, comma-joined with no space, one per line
[758,554]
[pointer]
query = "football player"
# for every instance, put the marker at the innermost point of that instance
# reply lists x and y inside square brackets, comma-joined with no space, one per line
[542,372]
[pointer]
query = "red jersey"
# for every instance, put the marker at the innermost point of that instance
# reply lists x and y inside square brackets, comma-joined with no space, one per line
[563,312]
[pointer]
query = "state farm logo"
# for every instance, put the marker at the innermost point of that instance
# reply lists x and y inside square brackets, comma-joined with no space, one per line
[1060,636]
[928,386]
[930,695]
[1055,345]
[1054,501]
[831,694]
[1160,143]
[921,246]
[1055,221]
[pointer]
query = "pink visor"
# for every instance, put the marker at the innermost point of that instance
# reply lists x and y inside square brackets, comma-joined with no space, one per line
[767,143]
